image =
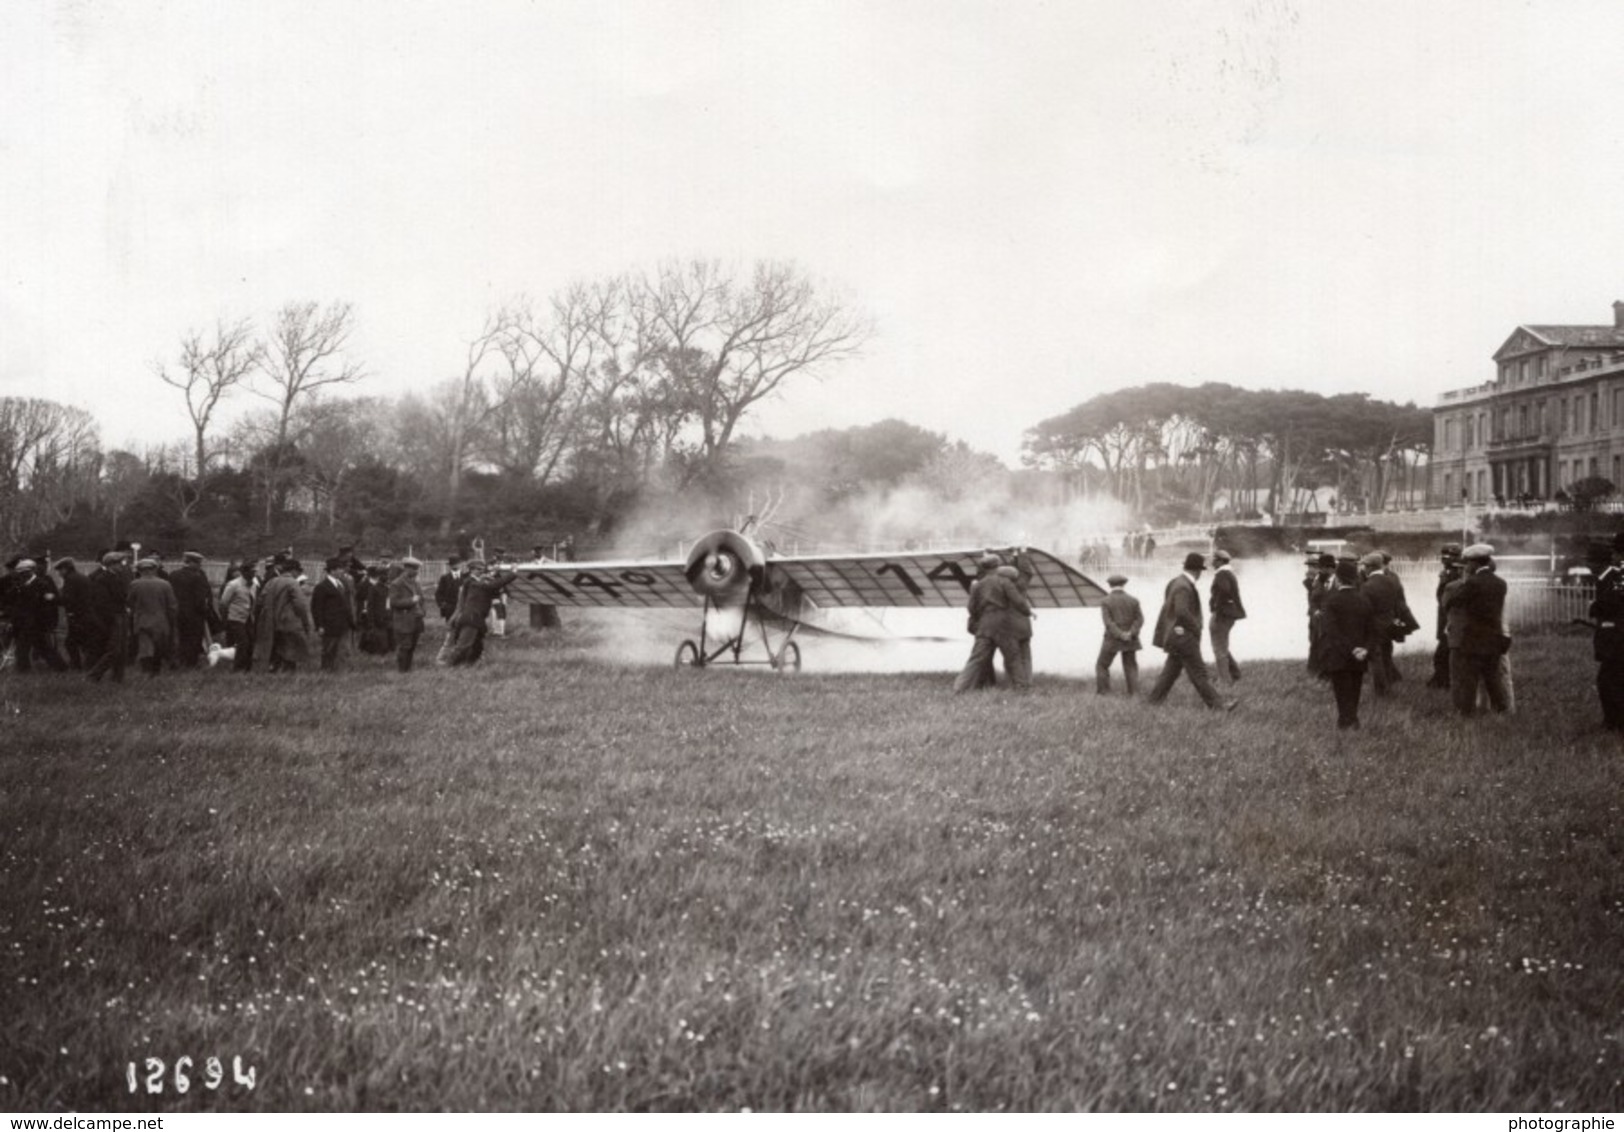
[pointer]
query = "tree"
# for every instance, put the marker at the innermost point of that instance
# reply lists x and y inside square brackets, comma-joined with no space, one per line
[305,354]
[725,344]
[50,459]
[208,372]
[1588,492]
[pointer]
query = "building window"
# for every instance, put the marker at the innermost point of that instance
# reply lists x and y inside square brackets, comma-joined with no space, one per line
[1449,487]
[1595,412]
[1522,420]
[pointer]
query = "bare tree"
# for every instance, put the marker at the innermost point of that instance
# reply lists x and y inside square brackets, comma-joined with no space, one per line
[208,372]
[305,354]
[50,459]
[727,344]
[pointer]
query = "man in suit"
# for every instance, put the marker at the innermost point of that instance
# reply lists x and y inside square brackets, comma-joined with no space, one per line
[1225,603]
[1178,633]
[406,611]
[1448,574]
[333,611]
[449,588]
[1394,621]
[1343,647]
[469,623]
[82,644]
[1477,637]
[194,597]
[109,611]
[1123,619]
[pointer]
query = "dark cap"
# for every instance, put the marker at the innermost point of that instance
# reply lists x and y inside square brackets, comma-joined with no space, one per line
[1220,556]
[192,556]
[1116,580]
[1327,562]
[1450,551]
[1194,561]
[1347,570]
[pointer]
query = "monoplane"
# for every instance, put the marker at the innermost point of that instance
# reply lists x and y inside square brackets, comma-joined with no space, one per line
[727,571]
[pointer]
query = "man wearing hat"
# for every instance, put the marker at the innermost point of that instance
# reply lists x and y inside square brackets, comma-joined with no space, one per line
[479,593]
[282,622]
[1317,583]
[1178,633]
[1449,575]
[153,611]
[110,615]
[195,611]
[1477,637]
[449,588]
[1224,601]
[1607,611]
[1394,621]
[978,669]
[1123,619]
[406,611]
[74,591]
[35,610]
[1347,627]
[333,611]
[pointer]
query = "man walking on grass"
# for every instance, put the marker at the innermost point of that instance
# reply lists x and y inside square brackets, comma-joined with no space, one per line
[1178,633]
[1226,607]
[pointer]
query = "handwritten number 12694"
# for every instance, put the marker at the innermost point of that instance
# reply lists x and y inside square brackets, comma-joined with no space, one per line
[157,1074]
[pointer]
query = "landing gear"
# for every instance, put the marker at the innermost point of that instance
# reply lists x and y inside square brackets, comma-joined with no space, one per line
[788,658]
[688,656]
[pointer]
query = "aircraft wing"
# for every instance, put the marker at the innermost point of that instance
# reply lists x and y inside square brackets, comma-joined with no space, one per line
[614,585]
[929,579]
[939,579]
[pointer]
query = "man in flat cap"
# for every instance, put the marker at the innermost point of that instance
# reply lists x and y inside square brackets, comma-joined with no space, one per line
[406,611]
[1123,619]
[35,610]
[282,623]
[1477,637]
[152,617]
[978,669]
[469,624]
[1224,602]
[1394,621]
[1178,633]
[110,614]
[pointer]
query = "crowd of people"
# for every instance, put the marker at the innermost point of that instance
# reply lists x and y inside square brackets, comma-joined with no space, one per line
[1357,612]
[268,614]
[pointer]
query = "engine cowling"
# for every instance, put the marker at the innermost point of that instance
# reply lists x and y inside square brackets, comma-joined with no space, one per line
[724,564]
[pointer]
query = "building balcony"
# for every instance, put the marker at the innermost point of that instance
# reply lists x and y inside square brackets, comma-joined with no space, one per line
[1501,446]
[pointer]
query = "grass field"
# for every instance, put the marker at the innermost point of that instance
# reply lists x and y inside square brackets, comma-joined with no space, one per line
[555,883]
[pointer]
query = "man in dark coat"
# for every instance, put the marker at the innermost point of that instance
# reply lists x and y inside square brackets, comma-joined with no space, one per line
[1607,611]
[82,645]
[195,612]
[109,609]
[1348,627]
[1317,582]
[1394,621]
[35,610]
[1449,572]
[1477,637]
[1123,619]
[1178,633]
[449,588]
[1225,603]
[479,592]
[978,670]
[333,611]
[282,624]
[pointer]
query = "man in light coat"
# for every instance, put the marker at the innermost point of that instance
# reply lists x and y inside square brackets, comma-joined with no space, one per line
[153,610]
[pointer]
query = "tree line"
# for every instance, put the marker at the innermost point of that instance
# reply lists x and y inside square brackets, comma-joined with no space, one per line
[627,394]
[1218,451]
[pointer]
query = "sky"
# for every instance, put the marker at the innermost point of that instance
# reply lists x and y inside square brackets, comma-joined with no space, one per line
[1035,202]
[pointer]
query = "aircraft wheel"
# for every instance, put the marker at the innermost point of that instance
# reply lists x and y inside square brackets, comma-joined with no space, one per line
[688,656]
[789,660]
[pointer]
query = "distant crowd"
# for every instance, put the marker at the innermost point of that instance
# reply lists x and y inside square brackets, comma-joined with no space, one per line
[126,608]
